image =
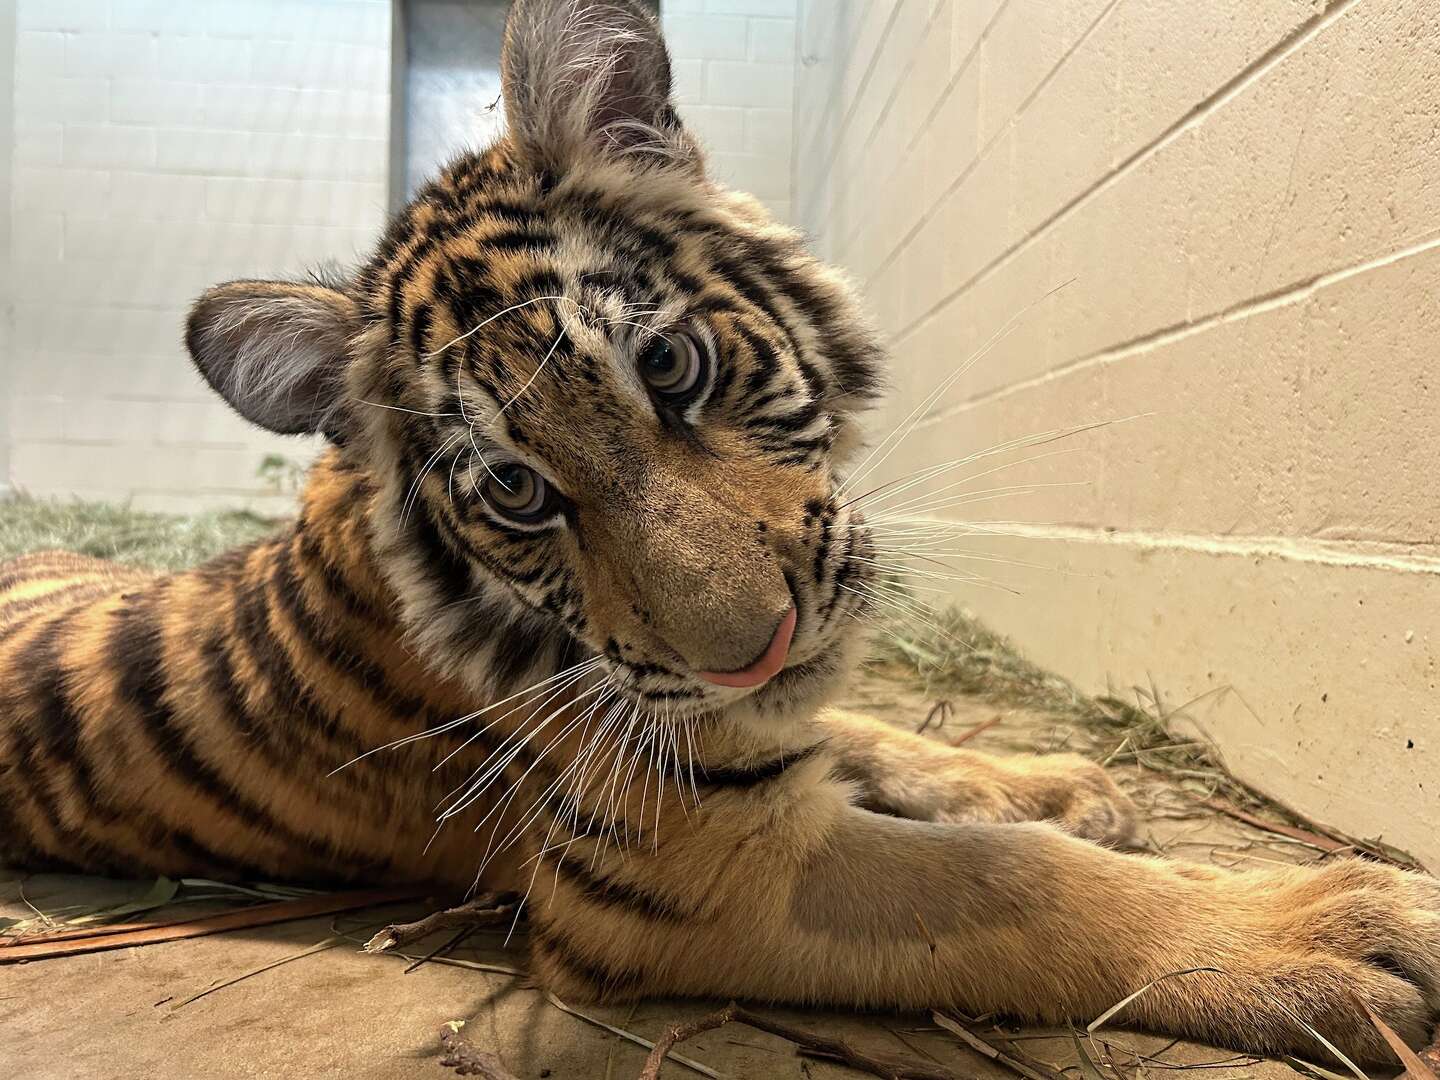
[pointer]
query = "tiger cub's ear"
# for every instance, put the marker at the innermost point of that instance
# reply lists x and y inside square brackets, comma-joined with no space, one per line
[276,351]
[586,77]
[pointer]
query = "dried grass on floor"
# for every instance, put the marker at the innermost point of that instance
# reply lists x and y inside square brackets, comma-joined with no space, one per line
[107,531]
[949,653]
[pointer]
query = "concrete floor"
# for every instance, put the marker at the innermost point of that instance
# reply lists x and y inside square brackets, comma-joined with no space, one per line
[339,1012]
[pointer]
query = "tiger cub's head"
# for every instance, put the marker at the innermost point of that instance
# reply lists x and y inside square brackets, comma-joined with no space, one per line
[605,405]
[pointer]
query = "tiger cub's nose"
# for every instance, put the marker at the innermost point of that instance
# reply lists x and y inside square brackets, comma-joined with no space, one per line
[766,666]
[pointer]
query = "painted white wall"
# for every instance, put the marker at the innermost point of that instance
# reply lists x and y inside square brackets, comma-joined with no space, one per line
[160,147]
[734,70]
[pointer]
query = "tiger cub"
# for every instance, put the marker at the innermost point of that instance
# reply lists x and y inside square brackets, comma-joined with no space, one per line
[580,544]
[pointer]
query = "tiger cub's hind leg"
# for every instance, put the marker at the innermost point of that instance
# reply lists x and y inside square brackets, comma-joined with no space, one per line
[910,776]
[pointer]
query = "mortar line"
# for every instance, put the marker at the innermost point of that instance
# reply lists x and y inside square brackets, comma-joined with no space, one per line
[1232,88]
[860,89]
[1286,296]
[901,159]
[1294,549]
[995,139]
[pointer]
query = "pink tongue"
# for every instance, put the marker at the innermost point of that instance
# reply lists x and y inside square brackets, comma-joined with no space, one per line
[764,669]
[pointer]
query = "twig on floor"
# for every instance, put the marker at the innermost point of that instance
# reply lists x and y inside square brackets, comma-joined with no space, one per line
[1013,1060]
[978,729]
[677,1033]
[468,1060]
[260,915]
[319,946]
[630,1036]
[941,711]
[486,910]
[892,1068]
[446,947]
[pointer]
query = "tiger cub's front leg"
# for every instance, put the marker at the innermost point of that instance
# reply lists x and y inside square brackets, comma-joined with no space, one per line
[789,893]
[911,776]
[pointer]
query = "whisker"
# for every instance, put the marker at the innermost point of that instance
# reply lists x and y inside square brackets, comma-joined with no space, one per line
[401,408]
[467,718]
[902,430]
[486,322]
[413,495]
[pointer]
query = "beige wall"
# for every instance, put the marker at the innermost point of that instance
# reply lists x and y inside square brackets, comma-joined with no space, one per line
[158,148]
[1245,198]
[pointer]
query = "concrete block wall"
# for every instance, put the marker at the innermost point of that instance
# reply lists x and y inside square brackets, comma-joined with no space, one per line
[160,147]
[734,72]
[1244,199]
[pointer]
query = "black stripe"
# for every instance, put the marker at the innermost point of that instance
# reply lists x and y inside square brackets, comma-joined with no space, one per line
[56,722]
[614,894]
[136,639]
[607,980]
[754,775]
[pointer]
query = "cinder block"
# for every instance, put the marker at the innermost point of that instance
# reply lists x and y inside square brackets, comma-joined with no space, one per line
[71,16]
[706,37]
[295,112]
[128,55]
[688,81]
[1129,250]
[207,153]
[291,201]
[46,100]
[1022,48]
[971,19]
[157,196]
[358,23]
[320,64]
[779,209]
[221,249]
[155,103]
[880,80]
[771,41]
[1066,140]
[36,417]
[198,424]
[318,157]
[108,146]
[36,236]
[1278,200]
[59,190]
[720,128]
[134,283]
[768,133]
[731,82]
[127,467]
[158,16]
[950,142]
[924,83]
[68,336]
[779,8]
[1281,656]
[206,59]
[1170,65]
[760,175]
[39,54]
[38,144]
[978,217]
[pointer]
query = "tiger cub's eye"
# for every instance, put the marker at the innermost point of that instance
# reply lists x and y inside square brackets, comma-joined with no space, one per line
[674,365]
[518,492]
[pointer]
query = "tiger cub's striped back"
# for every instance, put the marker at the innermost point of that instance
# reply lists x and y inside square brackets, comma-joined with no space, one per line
[43,581]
